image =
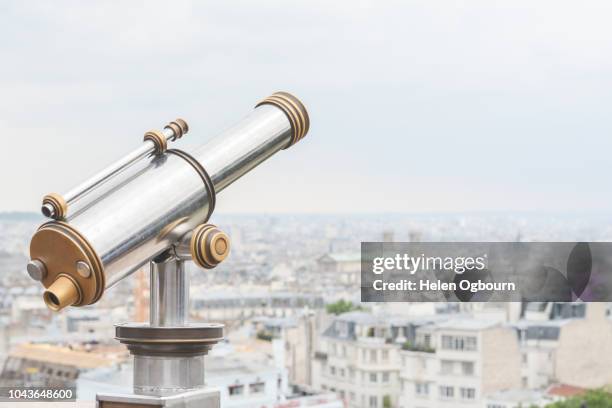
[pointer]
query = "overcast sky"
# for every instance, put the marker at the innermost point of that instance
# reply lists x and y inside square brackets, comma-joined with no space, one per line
[415,106]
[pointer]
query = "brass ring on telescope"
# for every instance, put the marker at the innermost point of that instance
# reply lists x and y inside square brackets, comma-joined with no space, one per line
[179,127]
[303,113]
[158,139]
[60,207]
[210,187]
[295,112]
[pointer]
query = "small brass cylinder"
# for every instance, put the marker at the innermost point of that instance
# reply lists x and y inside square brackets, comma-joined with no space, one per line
[63,292]
[209,246]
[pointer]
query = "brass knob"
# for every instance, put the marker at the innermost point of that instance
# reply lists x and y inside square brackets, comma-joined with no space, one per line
[209,246]
[63,292]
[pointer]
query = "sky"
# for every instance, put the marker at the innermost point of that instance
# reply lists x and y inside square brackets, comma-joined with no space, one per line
[415,106]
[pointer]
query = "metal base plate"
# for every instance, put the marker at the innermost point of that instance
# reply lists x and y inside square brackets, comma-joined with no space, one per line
[204,398]
[193,339]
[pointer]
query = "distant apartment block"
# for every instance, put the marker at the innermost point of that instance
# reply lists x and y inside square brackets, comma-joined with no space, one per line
[358,359]
[454,363]
[464,360]
[568,343]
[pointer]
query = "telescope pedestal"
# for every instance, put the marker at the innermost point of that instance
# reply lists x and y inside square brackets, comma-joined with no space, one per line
[168,352]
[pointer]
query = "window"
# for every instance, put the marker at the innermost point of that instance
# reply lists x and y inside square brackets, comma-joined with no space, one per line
[385,355]
[427,340]
[468,393]
[385,377]
[373,402]
[352,396]
[421,389]
[235,390]
[447,342]
[257,388]
[351,374]
[342,328]
[467,368]
[373,356]
[373,377]
[524,356]
[446,367]
[343,351]
[447,392]
[332,370]
[334,349]
[342,372]
[467,343]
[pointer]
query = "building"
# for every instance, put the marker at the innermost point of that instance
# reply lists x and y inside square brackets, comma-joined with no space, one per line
[569,343]
[343,267]
[39,365]
[358,358]
[456,362]
[235,306]
[522,398]
[517,398]
[296,337]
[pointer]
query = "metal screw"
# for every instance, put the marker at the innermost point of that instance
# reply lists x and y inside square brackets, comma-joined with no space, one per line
[37,270]
[83,269]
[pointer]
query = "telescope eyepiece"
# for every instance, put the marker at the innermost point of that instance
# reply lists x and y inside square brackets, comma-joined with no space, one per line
[63,292]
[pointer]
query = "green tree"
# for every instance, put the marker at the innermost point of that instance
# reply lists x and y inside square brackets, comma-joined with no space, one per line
[592,399]
[341,306]
[387,402]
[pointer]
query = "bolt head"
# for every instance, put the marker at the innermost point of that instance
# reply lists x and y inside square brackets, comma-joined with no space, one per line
[83,269]
[37,270]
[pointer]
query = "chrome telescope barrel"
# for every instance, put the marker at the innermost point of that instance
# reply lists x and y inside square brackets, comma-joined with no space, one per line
[152,204]
[56,206]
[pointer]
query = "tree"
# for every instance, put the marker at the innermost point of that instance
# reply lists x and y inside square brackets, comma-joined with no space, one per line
[341,306]
[591,399]
[387,402]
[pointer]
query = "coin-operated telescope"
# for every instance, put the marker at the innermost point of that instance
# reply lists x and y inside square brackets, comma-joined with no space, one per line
[153,206]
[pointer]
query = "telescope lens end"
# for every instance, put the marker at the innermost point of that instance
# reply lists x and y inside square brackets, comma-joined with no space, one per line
[63,292]
[295,111]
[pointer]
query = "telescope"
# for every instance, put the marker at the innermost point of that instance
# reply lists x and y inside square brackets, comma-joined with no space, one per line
[152,207]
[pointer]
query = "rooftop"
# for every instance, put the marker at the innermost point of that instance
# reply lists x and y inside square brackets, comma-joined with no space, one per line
[466,324]
[518,395]
[565,390]
[65,356]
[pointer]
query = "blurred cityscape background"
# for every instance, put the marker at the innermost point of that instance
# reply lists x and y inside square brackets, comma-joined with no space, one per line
[297,334]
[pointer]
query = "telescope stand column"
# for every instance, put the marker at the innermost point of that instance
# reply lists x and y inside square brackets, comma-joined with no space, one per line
[169,299]
[169,351]
[169,306]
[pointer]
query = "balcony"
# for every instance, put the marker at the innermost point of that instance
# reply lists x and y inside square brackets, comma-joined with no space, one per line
[408,346]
